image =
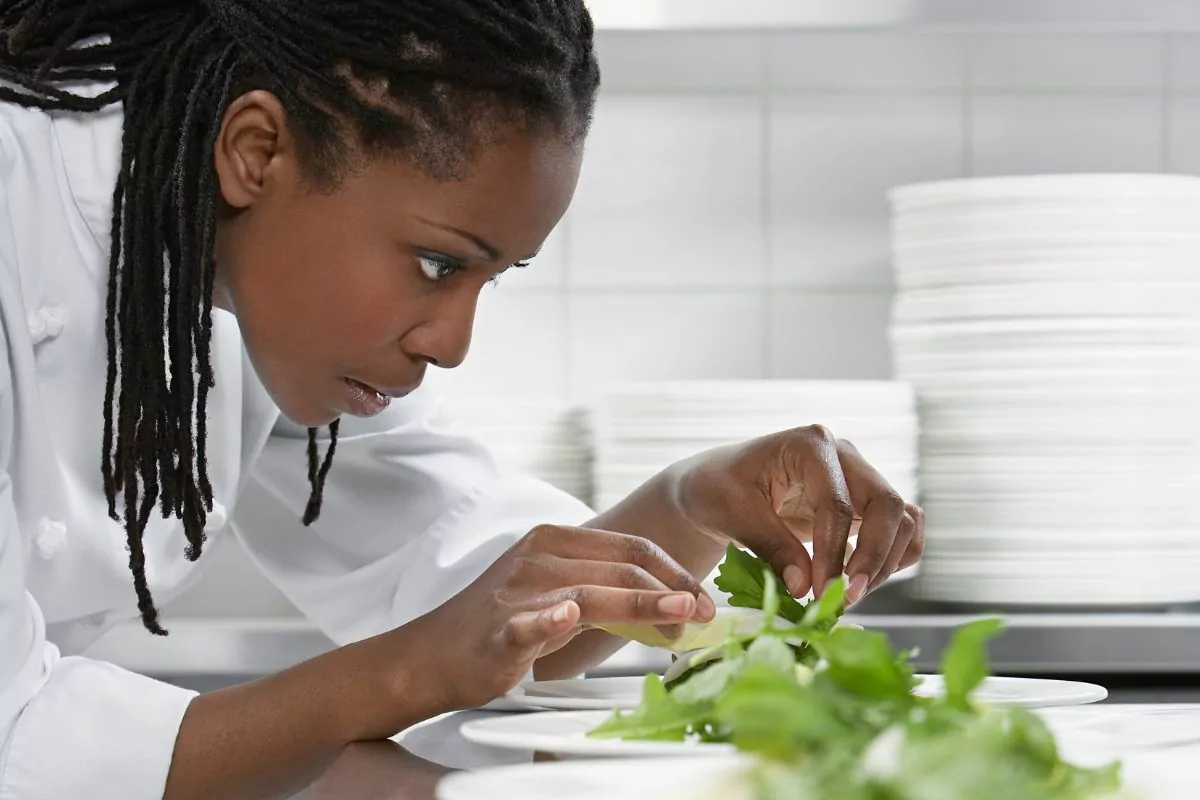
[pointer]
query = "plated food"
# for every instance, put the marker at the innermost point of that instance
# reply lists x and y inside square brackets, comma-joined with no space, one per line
[830,710]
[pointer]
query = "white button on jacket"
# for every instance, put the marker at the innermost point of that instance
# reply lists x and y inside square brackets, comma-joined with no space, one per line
[414,510]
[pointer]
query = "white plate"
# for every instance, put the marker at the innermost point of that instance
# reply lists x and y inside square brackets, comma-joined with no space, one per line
[565,734]
[1152,776]
[596,694]
[1023,692]
[658,779]
[580,694]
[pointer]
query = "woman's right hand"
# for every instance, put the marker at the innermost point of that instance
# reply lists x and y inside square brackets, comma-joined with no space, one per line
[545,590]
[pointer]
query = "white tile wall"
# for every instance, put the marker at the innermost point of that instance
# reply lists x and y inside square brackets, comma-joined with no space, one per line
[1185,63]
[519,340]
[1183,150]
[635,336]
[831,334]
[731,221]
[1025,134]
[1095,62]
[865,62]
[671,194]
[832,160]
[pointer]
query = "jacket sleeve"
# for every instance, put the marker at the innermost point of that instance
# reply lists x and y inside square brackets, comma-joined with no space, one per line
[69,727]
[414,510]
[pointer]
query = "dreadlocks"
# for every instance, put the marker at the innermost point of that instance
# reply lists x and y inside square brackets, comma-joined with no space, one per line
[418,78]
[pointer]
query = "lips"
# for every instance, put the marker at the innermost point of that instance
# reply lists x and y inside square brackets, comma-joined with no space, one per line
[364,400]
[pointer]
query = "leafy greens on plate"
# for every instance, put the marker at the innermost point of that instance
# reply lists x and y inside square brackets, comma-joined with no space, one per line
[831,711]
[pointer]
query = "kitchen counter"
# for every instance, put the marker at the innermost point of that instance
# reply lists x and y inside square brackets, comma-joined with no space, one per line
[1136,654]
[410,767]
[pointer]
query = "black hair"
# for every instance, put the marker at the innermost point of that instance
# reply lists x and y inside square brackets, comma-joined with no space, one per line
[425,79]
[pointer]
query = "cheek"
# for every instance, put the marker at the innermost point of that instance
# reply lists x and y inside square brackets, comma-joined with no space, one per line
[310,289]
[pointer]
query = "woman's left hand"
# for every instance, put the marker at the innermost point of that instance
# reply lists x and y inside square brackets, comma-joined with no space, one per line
[774,493]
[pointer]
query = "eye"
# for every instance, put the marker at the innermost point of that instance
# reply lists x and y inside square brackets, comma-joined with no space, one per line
[438,269]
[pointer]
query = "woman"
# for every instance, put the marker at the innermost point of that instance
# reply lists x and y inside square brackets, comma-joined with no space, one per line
[227,221]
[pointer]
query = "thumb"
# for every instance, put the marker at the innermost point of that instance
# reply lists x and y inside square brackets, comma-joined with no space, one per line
[526,634]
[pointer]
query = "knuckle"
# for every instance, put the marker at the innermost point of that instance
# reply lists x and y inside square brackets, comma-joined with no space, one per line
[631,576]
[640,551]
[511,635]
[917,513]
[892,503]
[845,445]
[843,511]
[820,434]
[576,594]
[537,537]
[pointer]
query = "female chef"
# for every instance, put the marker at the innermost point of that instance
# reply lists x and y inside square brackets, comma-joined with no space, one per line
[233,236]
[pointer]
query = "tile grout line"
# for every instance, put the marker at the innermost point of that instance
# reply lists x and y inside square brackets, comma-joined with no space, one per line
[968,110]
[767,275]
[1167,109]
[565,292]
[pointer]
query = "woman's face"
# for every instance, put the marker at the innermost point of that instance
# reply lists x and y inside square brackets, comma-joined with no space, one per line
[346,297]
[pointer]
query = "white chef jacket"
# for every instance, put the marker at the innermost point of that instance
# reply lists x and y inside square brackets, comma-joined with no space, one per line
[414,509]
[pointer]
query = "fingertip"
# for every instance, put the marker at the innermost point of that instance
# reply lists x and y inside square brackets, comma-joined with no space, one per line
[563,614]
[796,581]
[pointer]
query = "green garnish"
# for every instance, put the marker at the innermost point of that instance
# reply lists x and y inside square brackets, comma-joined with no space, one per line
[831,712]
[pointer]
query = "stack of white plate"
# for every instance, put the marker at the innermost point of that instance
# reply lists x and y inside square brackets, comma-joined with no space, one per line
[1052,328]
[538,437]
[641,429]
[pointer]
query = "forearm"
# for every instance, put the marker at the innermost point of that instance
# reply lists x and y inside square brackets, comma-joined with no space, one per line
[651,512]
[270,737]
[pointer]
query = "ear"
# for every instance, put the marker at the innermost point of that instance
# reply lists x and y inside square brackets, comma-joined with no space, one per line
[254,144]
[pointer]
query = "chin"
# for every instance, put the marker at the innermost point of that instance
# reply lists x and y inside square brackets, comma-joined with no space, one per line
[306,414]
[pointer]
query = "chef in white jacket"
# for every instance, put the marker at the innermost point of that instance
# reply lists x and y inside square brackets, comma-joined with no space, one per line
[310,197]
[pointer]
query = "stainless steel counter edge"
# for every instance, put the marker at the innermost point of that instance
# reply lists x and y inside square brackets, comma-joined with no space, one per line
[1100,643]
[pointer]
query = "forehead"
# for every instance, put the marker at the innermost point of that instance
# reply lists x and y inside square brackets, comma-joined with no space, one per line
[512,194]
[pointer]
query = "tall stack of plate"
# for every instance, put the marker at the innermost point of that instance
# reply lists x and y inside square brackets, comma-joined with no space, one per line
[532,435]
[641,429]
[1052,328]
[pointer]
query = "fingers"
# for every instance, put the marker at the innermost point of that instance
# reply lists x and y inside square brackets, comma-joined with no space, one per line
[585,544]
[884,521]
[625,576]
[916,548]
[904,537]
[527,632]
[604,605]
[831,500]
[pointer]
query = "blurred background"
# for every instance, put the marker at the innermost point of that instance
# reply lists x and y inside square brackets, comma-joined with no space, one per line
[733,229]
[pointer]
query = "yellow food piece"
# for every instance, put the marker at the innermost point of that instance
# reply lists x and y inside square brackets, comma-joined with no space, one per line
[696,635]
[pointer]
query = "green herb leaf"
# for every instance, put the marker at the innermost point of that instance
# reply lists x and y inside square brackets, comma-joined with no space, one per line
[660,717]
[824,612]
[742,577]
[707,684]
[864,663]
[965,660]
[769,712]
[772,652]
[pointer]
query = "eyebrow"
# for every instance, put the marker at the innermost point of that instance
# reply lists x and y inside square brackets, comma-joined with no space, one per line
[490,251]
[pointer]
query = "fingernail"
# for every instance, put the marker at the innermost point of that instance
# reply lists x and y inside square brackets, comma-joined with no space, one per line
[793,577]
[705,607]
[561,614]
[677,605]
[857,588]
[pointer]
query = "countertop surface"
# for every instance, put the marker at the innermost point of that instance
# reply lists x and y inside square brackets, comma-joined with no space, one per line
[410,767]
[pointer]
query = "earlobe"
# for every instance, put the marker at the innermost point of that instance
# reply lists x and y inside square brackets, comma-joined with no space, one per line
[252,139]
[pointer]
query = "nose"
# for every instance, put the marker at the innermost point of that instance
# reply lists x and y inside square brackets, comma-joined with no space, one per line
[444,339]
